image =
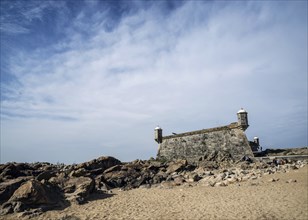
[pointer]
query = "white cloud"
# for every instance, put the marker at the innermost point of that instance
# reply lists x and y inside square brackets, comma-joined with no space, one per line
[190,69]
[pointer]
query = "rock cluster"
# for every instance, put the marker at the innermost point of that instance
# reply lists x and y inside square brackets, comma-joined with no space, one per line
[287,151]
[33,188]
[37,187]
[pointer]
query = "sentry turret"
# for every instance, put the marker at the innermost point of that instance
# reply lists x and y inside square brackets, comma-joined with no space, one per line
[158,134]
[256,140]
[242,119]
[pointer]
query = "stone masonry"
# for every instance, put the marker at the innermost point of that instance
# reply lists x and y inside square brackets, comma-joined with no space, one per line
[194,145]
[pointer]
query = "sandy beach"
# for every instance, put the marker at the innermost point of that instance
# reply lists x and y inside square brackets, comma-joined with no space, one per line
[255,199]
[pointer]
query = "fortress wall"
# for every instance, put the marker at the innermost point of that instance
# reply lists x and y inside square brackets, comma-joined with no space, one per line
[193,145]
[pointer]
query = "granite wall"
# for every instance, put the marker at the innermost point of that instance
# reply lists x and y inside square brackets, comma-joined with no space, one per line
[194,145]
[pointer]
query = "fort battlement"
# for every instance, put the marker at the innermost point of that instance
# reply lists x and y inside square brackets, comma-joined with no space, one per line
[208,130]
[196,144]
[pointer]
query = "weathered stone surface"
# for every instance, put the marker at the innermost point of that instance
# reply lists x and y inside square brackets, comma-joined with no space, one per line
[179,180]
[8,188]
[114,168]
[32,194]
[11,171]
[193,146]
[100,184]
[78,189]
[101,162]
[155,165]
[46,175]
[78,172]
[194,177]
[176,166]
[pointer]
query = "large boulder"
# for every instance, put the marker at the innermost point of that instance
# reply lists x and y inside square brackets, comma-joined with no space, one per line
[46,175]
[101,163]
[216,159]
[11,171]
[8,188]
[77,190]
[79,172]
[176,166]
[120,178]
[128,176]
[33,194]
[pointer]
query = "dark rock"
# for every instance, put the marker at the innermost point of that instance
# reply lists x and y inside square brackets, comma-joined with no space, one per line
[33,194]
[11,171]
[19,207]
[96,172]
[116,179]
[212,165]
[162,174]
[42,166]
[104,187]
[176,166]
[59,180]
[157,179]
[101,162]
[6,208]
[78,172]
[169,178]
[195,177]
[8,188]
[113,169]
[128,175]
[45,175]
[47,167]
[79,189]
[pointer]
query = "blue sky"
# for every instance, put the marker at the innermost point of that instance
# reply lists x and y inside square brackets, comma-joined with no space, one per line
[81,79]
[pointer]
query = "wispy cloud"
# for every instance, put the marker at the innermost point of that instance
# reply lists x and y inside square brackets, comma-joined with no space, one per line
[110,81]
[16,16]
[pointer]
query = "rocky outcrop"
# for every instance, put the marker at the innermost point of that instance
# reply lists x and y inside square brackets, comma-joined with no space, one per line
[32,195]
[286,151]
[43,186]
[77,190]
[33,188]
[8,188]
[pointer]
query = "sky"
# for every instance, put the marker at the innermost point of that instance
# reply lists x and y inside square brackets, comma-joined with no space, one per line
[83,79]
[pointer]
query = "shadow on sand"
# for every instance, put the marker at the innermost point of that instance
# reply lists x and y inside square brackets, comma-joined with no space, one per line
[98,195]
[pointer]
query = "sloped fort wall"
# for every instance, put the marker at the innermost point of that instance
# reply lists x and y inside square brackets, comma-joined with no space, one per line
[194,145]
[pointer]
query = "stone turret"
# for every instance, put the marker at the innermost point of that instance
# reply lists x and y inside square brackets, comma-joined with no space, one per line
[158,134]
[242,119]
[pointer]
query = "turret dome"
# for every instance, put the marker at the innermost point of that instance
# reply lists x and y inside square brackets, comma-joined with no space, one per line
[241,111]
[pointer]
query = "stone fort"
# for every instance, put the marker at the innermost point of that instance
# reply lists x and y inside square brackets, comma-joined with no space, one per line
[195,144]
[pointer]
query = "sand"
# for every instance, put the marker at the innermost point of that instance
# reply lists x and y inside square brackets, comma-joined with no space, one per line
[255,199]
